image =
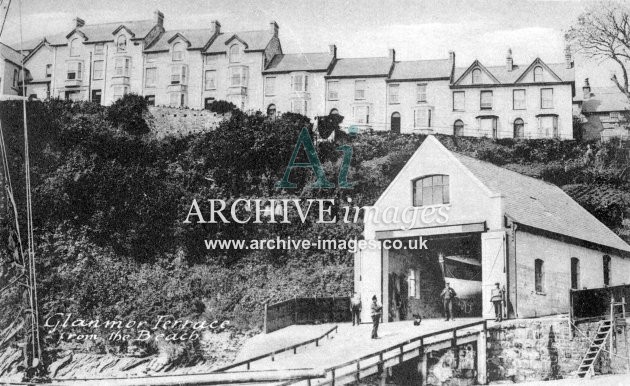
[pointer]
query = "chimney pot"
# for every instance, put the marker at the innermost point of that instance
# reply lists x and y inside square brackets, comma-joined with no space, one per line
[586,90]
[509,62]
[158,17]
[216,26]
[78,22]
[274,28]
[333,50]
[568,57]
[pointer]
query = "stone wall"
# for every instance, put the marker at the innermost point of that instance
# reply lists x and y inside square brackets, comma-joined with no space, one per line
[180,121]
[546,348]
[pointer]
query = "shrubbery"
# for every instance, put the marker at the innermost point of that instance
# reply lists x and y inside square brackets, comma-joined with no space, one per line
[128,113]
[221,107]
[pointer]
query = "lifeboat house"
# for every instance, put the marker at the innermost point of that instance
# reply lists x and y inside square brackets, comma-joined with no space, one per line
[480,224]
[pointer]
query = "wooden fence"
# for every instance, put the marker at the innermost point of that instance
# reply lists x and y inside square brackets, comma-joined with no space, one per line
[594,303]
[306,311]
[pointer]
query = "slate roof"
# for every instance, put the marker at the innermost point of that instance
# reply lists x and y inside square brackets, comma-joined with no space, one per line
[197,38]
[506,77]
[96,33]
[605,99]
[299,62]
[421,69]
[538,204]
[255,40]
[357,67]
[10,54]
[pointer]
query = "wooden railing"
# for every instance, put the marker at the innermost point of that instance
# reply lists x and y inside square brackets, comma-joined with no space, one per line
[356,369]
[246,364]
[306,311]
[594,303]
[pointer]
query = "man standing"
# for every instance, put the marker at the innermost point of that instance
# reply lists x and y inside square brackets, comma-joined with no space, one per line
[355,308]
[377,310]
[497,299]
[447,295]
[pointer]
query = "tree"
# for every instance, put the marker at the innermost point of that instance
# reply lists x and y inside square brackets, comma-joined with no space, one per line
[603,31]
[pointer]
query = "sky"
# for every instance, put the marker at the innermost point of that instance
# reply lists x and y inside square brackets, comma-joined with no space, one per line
[417,29]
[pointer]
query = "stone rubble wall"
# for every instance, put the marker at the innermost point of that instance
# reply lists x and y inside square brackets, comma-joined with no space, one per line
[182,121]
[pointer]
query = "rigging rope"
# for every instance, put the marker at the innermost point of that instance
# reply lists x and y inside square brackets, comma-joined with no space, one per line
[29,209]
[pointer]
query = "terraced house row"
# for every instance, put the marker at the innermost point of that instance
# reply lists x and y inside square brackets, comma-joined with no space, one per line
[192,68]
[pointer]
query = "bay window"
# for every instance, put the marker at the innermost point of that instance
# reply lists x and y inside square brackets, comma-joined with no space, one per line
[121,66]
[74,71]
[549,125]
[239,76]
[422,117]
[179,74]
[299,83]
[361,114]
[120,91]
[299,106]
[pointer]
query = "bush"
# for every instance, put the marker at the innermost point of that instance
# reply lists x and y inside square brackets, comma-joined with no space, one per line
[222,107]
[128,113]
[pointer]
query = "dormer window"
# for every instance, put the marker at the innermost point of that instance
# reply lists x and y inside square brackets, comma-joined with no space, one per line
[431,190]
[121,43]
[178,51]
[74,47]
[538,74]
[235,53]
[476,76]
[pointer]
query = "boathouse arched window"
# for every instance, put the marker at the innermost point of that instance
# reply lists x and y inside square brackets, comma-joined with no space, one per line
[539,276]
[606,263]
[431,190]
[575,273]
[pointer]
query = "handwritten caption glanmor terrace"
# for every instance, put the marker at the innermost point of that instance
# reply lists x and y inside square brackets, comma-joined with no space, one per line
[164,327]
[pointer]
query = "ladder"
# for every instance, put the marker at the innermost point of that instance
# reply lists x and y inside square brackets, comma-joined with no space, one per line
[605,331]
[597,345]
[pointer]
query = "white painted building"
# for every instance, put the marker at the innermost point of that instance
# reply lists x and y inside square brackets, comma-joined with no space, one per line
[483,224]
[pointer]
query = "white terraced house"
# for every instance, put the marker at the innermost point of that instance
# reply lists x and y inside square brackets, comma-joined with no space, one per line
[194,67]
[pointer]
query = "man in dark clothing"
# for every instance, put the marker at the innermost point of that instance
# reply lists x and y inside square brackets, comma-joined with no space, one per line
[497,299]
[377,310]
[448,295]
[355,308]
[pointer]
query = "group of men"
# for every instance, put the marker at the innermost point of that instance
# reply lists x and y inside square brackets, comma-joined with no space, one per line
[447,295]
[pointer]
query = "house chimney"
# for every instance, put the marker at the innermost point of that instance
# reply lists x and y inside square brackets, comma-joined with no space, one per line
[392,54]
[274,28]
[216,26]
[568,58]
[451,61]
[158,17]
[509,62]
[586,90]
[333,50]
[78,22]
